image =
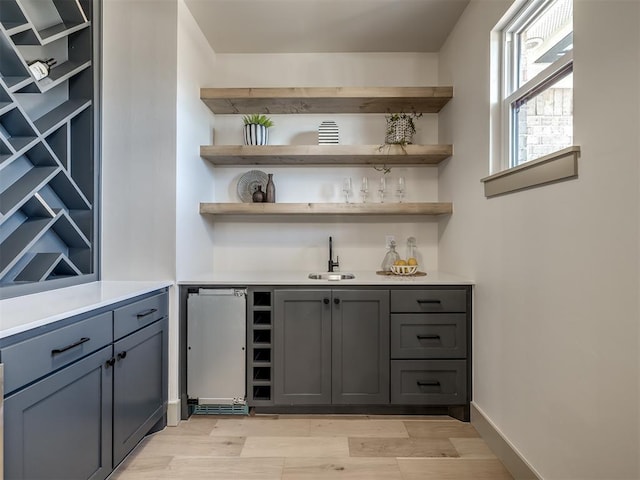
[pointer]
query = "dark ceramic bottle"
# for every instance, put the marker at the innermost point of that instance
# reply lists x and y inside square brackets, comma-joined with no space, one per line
[271,190]
[258,195]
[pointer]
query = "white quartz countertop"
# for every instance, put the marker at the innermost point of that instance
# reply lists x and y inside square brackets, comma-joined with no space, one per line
[30,311]
[23,313]
[302,278]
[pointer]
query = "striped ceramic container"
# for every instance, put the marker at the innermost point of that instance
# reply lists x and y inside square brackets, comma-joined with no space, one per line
[256,134]
[328,133]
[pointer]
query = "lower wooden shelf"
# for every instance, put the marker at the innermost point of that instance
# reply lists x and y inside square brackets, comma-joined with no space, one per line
[417,208]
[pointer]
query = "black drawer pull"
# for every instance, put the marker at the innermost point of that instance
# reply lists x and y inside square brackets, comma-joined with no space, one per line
[428,337]
[430,383]
[432,302]
[146,313]
[122,355]
[110,363]
[56,351]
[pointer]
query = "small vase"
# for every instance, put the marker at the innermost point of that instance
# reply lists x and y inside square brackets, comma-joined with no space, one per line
[258,195]
[271,190]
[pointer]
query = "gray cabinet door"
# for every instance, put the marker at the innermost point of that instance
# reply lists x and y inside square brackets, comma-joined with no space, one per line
[360,347]
[302,347]
[60,427]
[139,386]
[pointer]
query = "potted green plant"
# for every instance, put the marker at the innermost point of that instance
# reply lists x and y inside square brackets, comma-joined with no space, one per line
[256,129]
[400,128]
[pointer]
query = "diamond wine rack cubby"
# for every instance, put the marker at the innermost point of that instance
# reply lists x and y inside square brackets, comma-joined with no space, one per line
[48,164]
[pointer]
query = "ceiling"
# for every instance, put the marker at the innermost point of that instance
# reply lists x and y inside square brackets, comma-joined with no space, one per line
[314,26]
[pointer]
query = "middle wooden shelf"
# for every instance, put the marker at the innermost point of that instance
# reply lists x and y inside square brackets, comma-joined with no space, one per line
[414,208]
[233,155]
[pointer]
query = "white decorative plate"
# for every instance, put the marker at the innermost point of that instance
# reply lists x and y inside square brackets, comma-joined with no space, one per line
[248,183]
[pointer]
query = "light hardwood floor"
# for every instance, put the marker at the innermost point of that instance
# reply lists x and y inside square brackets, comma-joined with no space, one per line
[289,447]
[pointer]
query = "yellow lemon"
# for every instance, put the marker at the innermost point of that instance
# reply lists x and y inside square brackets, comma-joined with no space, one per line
[412,261]
[400,262]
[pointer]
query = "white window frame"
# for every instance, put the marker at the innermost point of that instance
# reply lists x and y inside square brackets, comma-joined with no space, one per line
[505,92]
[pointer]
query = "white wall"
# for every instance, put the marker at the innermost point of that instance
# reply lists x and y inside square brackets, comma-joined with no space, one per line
[195,176]
[139,150]
[258,244]
[139,140]
[556,324]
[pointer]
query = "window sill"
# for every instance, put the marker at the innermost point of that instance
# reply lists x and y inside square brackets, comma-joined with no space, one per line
[555,167]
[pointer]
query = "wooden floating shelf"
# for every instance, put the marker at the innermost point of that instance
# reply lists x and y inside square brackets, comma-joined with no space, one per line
[233,155]
[326,99]
[421,208]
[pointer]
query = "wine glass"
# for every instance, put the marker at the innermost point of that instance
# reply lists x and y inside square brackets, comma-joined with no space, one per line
[346,188]
[401,189]
[364,189]
[382,188]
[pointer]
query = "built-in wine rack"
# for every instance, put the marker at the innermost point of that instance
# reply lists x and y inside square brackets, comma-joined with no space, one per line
[259,348]
[48,164]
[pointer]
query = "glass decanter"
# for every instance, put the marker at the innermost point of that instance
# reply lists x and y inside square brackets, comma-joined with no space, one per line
[390,258]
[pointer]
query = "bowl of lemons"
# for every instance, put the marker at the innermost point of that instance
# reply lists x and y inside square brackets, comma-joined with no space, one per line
[405,267]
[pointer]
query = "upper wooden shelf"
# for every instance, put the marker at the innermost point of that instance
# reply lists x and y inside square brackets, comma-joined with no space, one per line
[326,99]
[233,155]
[422,208]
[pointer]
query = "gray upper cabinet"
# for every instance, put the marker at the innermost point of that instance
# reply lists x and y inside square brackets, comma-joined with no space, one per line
[331,347]
[48,148]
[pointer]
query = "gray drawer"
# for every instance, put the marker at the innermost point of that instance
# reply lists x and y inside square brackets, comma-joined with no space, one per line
[421,301]
[138,314]
[415,335]
[428,382]
[35,357]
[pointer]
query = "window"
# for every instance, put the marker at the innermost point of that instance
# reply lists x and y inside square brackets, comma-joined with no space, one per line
[532,96]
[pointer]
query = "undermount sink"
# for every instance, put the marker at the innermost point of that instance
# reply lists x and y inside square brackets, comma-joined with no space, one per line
[333,276]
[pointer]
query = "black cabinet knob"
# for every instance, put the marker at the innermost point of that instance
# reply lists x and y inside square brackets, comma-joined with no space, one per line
[336,301]
[326,301]
[122,355]
[110,363]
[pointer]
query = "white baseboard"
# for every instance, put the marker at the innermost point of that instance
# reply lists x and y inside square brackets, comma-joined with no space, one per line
[173,413]
[501,447]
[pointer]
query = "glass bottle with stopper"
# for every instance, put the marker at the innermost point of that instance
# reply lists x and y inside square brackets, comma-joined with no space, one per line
[411,247]
[412,251]
[390,258]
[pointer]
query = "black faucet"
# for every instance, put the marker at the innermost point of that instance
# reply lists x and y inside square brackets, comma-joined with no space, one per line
[332,264]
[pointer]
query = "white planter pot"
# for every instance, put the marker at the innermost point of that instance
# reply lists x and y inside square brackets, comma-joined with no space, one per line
[256,134]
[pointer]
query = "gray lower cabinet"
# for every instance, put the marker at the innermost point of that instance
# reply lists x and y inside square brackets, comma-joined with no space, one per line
[79,399]
[302,347]
[331,347]
[431,348]
[360,347]
[139,386]
[60,427]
